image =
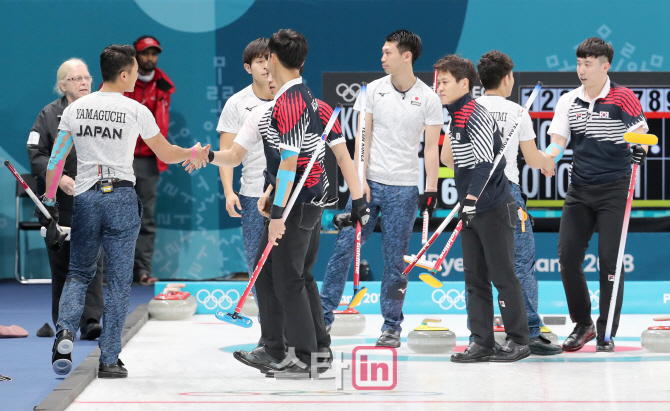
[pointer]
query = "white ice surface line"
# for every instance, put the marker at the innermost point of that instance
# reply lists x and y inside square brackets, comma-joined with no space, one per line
[180,366]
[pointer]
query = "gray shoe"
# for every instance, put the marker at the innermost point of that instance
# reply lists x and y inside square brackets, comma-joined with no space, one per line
[389,338]
[511,351]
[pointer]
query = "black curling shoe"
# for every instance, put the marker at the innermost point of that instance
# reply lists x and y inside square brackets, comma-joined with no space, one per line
[61,353]
[511,351]
[579,337]
[602,346]
[542,345]
[259,359]
[112,370]
[474,353]
[91,330]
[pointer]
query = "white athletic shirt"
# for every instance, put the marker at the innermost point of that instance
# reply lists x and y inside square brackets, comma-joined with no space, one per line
[251,132]
[104,128]
[397,126]
[505,112]
[234,113]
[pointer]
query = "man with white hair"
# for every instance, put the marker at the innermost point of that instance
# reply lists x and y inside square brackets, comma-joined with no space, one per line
[72,81]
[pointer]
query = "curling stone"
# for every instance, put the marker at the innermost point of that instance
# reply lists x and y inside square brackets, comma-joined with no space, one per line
[347,323]
[426,339]
[657,339]
[546,332]
[250,309]
[172,304]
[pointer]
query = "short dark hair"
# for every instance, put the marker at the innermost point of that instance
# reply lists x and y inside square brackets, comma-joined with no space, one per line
[255,49]
[459,67]
[406,41]
[493,67]
[114,59]
[595,47]
[290,48]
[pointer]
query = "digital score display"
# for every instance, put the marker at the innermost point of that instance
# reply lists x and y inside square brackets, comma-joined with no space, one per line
[654,94]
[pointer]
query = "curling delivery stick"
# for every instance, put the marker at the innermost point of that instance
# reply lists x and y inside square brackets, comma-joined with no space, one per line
[32,195]
[413,260]
[426,217]
[63,234]
[633,138]
[359,293]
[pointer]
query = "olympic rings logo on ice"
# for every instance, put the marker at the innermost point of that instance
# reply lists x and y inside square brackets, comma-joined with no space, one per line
[595,299]
[218,298]
[348,92]
[452,297]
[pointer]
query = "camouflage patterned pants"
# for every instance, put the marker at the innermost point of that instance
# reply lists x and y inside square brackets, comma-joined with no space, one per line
[109,222]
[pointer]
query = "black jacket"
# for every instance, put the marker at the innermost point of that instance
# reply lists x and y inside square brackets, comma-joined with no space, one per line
[475,141]
[46,125]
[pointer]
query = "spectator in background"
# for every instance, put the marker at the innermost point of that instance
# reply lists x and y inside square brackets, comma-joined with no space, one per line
[234,114]
[153,89]
[72,81]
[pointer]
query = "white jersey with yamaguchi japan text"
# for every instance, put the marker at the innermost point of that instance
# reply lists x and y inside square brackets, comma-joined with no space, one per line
[233,116]
[505,113]
[104,128]
[398,121]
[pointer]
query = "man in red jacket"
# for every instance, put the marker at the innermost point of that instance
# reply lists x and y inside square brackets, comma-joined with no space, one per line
[152,89]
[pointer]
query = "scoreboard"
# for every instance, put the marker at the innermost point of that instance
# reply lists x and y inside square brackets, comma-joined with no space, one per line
[650,87]
[654,95]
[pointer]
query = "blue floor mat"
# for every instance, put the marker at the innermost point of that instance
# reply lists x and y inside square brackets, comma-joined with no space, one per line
[28,360]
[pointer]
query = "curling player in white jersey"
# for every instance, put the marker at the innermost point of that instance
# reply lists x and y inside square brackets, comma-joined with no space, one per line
[495,74]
